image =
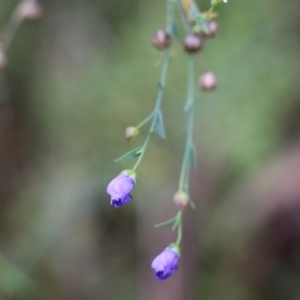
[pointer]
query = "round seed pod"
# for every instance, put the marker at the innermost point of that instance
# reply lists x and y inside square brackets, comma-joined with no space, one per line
[30,11]
[208,81]
[181,199]
[192,43]
[161,39]
[131,133]
[212,29]
[3,60]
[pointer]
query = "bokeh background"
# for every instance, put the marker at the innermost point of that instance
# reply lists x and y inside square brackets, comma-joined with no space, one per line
[75,81]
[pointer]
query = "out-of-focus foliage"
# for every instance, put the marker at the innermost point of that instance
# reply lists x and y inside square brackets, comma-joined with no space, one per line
[75,81]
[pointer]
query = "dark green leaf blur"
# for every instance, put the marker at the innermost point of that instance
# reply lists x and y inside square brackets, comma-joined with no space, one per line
[82,74]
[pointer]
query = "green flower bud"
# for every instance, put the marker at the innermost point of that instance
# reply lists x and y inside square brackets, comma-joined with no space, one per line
[131,133]
[181,199]
[217,3]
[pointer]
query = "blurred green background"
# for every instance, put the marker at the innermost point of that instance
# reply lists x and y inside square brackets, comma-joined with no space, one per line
[75,81]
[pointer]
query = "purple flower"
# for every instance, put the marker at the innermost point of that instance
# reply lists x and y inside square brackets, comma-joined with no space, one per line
[120,187]
[165,264]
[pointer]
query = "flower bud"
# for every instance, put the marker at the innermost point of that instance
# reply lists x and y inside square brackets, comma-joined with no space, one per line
[30,11]
[192,43]
[3,60]
[207,81]
[165,264]
[161,39]
[181,199]
[212,29]
[131,133]
[217,3]
[120,187]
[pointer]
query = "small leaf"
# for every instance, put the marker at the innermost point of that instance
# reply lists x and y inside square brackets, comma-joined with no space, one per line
[209,15]
[199,20]
[159,125]
[192,203]
[169,222]
[130,155]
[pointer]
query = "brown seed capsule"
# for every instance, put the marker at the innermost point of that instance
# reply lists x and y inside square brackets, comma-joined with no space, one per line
[192,43]
[207,81]
[161,39]
[3,60]
[212,29]
[30,11]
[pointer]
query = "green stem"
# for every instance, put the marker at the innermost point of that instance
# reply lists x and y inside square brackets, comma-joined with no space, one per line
[145,121]
[161,84]
[179,236]
[183,17]
[142,151]
[185,168]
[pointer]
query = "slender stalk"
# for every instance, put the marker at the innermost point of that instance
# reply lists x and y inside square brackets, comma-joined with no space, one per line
[202,63]
[161,84]
[142,151]
[145,121]
[166,223]
[179,236]
[183,17]
[185,168]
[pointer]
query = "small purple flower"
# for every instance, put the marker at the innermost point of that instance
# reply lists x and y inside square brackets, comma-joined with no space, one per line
[165,264]
[120,187]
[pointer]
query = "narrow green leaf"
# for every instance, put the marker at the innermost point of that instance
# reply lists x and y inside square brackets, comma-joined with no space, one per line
[159,125]
[130,155]
[169,222]
[192,203]
[175,225]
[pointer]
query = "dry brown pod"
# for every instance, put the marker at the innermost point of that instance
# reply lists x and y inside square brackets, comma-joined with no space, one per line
[208,81]
[212,27]
[192,43]
[161,39]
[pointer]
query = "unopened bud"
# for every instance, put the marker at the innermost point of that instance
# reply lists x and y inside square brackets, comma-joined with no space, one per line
[161,39]
[181,199]
[212,27]
[30,11]
[131,133]
[192,43]
[217,3]
[208,81]
[3,60]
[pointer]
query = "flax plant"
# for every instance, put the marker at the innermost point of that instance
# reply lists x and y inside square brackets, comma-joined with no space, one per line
[197,26]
